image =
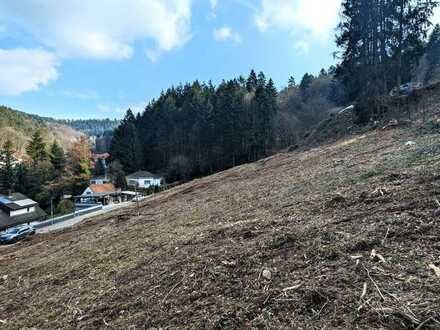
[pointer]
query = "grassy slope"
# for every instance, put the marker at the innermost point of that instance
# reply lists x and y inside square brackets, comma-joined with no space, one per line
[195,257]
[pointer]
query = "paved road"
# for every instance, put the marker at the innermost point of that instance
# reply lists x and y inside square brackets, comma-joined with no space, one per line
[74,221]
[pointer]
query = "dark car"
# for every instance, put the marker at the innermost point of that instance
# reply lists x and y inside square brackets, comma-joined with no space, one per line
[17,233]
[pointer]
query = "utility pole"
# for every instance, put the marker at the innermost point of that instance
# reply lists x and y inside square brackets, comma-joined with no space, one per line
[137,198]
[74,207]
[51,208]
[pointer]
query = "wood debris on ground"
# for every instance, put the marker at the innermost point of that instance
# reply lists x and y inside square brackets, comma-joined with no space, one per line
[283,243]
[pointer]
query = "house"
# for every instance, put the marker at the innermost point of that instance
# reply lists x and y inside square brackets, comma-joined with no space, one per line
[103,179]
[100,193]
[16,209]
[104,156]
[144,179]
[106,188]
[101,161]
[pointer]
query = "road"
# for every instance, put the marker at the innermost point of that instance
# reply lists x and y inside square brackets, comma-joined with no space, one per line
[74,221]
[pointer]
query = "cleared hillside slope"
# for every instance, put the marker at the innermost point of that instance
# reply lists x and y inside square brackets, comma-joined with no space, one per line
[282,243]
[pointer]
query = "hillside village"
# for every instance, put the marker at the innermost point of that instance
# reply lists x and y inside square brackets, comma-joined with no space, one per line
[59,182]
[241,204]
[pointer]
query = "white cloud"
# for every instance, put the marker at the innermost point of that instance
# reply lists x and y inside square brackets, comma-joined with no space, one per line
[24,70]
[315,17]
[213,13]
[103,28]
[213,4]
[225,33]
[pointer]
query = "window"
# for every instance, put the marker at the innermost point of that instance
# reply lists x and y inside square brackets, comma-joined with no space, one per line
[147,182]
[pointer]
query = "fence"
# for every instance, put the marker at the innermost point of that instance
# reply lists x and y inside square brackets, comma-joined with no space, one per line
[66,217]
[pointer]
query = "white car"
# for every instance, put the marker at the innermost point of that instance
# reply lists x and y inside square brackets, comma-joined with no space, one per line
[138,198]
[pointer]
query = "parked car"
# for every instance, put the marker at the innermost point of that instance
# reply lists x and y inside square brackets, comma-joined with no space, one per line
[138,198]
[17,233]
[406,89]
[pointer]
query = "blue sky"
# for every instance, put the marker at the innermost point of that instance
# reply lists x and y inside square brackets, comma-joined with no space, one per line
[94,59]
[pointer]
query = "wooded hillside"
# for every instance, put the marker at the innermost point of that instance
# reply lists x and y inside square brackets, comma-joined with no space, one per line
[91,127]
[198,128]
[18,127]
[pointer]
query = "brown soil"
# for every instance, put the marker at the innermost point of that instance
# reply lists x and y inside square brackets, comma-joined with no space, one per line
[284,243]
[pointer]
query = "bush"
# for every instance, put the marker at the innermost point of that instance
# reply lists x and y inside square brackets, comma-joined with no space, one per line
[65,206]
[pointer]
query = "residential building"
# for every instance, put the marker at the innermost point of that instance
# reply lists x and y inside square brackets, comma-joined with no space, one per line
[16,209]
[100,180]
[100,193]
[144,179]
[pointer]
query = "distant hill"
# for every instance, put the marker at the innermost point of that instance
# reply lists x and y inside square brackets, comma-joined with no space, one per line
[91,127]
[18,127]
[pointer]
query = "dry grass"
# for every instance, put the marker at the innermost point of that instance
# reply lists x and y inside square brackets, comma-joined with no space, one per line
[282,243]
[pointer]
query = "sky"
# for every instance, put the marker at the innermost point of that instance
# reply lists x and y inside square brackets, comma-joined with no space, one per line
[95,59]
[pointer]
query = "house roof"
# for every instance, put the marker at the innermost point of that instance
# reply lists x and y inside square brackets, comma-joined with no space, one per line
[103,188]
[6,221]
[104,155]
[15,201]
[143,175]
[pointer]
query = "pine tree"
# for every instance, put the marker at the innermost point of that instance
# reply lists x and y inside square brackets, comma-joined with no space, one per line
[251,82]
[57,158]
[331,70]
[381,42]
[118,175]
[292,82]
[433,55]
[261,80]
[126,145]
[7,174]
[272,92]
[412,19]
[21,178]
[306,81]
[36,149]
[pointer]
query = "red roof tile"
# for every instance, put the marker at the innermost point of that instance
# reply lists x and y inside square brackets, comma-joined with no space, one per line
[103,188]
